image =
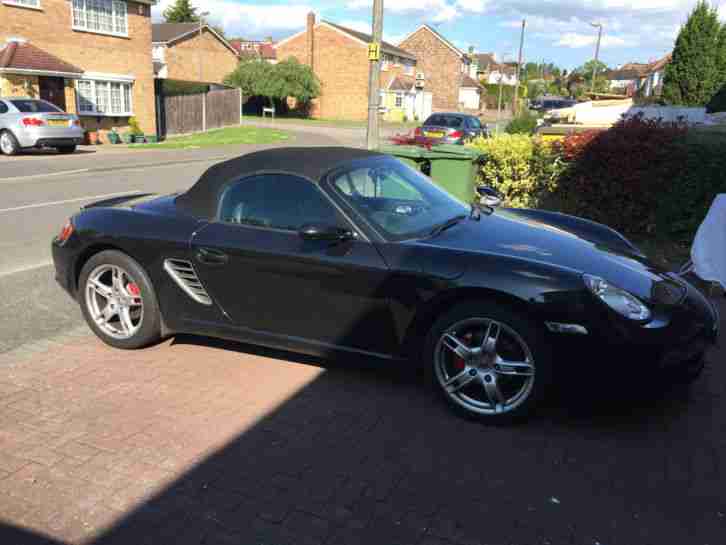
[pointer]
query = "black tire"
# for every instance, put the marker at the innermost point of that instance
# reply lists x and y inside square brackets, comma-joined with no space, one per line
[149,331]
[12,146]
[529,332]
[66,149]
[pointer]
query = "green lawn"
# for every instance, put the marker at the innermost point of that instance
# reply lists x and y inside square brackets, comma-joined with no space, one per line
[343,123]
[221,137]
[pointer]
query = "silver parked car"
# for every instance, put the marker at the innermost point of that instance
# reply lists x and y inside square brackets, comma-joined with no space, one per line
[32,123]
[451,128]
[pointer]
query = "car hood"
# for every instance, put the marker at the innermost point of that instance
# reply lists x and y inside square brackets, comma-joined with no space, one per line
[508,234]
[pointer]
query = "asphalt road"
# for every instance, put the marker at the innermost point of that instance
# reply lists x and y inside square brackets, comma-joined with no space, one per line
[39,191]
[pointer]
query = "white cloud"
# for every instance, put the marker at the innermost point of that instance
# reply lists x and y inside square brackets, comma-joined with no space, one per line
[438,11]
[248,20]
[575,41]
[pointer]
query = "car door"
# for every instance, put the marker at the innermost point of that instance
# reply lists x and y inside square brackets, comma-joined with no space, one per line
[269,279]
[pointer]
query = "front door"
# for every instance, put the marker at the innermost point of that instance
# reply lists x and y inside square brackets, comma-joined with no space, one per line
[53,90]
[267,278]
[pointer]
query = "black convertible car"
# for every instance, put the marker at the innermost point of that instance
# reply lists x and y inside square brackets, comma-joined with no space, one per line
[343,251]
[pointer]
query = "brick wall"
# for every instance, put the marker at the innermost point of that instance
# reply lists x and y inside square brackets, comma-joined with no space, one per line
[182,59]
[440,64]
[50,29]
[341,64]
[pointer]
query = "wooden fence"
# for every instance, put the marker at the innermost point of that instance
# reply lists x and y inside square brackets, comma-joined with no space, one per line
[184,114]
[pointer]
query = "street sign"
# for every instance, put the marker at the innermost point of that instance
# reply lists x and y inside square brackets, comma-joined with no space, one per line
[374,52]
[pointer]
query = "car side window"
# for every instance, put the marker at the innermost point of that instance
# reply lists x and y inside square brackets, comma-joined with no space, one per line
[277,201]
[3,107]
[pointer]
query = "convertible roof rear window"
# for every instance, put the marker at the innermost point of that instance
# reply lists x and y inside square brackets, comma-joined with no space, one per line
[202,199]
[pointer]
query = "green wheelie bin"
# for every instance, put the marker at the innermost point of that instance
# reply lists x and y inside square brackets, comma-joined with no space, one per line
[453,168]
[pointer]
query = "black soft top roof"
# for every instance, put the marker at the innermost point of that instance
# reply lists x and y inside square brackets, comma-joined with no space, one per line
[202,198]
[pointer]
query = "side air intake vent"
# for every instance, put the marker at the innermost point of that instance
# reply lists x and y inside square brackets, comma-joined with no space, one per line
[186,278]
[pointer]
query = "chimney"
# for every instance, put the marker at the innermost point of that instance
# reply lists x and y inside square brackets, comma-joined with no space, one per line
[310,40]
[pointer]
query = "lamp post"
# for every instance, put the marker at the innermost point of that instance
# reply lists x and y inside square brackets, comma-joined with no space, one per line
[201,80]
[597,53]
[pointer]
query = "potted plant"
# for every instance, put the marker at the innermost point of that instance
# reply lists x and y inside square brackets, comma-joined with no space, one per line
[135,133]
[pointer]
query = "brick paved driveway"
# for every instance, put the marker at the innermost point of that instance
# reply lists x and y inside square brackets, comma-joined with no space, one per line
[197,442]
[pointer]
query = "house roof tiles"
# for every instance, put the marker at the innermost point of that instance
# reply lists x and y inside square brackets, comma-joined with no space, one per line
[367,38]
[25,56]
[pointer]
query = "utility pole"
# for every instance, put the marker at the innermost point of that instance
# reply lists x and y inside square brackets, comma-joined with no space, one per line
[515,106]
[201,63]
[597,53]
[374,76]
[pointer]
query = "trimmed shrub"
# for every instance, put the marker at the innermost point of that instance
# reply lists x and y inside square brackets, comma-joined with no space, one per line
[524,123]
[522,168]
[686,198]
[618,176]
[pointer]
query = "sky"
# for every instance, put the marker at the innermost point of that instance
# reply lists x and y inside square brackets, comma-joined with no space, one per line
[557,31]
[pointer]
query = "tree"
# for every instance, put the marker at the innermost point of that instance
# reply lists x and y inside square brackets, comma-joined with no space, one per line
[602,85]
[182,11]
[696,72]
[287,78]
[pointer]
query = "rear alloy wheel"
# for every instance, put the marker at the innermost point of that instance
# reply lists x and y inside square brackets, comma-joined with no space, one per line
[8,143]
[118,301]
[488,362]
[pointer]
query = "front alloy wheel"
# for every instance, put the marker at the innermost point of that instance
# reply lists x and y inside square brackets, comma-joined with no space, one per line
[488,362]
[484,366]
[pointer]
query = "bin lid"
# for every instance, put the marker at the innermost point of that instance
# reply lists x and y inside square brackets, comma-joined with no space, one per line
[409,152]
[452,151]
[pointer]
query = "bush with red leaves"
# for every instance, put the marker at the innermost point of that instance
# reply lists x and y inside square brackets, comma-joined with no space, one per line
[616,176]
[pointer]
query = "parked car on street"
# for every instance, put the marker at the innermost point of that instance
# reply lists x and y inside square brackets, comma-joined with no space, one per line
[545,105]
[340,251]
[32,123]
[451,128]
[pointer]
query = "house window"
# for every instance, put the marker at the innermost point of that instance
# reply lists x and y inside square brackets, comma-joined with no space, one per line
[103,16]
[409,69]
[23,3]
[399,100]
[104,98]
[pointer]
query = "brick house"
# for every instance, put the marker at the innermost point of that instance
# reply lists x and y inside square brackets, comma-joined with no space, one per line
[339,57]
[255,49]
[185,52]
[90,57]
[444,65]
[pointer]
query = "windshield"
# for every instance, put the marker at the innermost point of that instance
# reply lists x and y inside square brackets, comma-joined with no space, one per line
[34,106]
[399,202]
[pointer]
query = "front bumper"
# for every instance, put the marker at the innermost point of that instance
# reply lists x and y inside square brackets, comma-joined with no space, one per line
[64,260]
[675,338]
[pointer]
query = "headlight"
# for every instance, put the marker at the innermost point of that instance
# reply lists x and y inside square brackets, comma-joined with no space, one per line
[619,300]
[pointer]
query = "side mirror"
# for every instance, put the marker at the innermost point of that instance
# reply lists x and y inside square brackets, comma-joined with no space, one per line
[489,196]
[319,231]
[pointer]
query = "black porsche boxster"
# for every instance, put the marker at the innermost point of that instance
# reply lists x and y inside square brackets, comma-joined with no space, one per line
[343,251]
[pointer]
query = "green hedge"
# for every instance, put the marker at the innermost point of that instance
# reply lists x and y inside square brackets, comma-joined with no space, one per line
[523,169]
[643,178]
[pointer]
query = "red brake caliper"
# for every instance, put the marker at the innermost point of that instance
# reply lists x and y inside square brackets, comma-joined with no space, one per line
[459,363]
[133,289]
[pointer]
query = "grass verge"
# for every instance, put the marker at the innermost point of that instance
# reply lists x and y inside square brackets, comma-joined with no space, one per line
[221,137]
[340,123]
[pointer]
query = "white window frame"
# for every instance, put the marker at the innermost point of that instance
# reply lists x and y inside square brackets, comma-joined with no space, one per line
[119,10]
[22,4]
[399,98]
[106,86]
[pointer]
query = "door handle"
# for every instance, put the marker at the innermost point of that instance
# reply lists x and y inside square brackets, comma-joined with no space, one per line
[212,257]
